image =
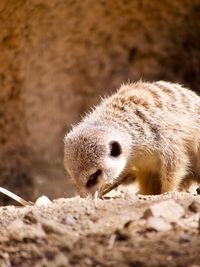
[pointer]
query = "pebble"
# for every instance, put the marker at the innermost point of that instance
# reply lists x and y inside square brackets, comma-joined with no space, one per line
[158,224]
[167,209]
[69,220]
[50,226]
[185,238]
[43,201]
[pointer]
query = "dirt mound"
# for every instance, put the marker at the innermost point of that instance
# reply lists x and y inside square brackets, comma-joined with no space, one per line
[116,231]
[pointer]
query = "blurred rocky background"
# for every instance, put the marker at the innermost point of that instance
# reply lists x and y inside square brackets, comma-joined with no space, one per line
[57,57]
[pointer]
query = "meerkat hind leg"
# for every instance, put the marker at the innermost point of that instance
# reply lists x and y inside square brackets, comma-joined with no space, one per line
[168,180]
[172,176]
[192,180]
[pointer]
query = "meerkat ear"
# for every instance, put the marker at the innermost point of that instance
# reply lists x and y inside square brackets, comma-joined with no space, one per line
[115,149]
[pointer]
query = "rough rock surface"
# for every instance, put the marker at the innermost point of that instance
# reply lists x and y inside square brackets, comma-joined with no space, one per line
[57,57]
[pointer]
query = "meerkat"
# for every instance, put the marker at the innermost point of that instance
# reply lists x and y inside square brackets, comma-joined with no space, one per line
[146,130]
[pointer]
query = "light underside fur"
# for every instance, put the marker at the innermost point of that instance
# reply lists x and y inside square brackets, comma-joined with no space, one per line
[157,126]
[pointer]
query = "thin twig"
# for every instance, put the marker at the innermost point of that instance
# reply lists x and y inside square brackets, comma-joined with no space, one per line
[15,197]
[110,187]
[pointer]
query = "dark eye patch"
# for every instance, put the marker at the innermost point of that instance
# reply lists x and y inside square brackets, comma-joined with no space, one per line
[115,149]
[93,179]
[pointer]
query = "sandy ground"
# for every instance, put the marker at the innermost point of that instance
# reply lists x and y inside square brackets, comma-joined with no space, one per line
[111,232]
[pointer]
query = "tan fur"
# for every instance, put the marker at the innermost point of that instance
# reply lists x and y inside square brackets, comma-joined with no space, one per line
[157,127]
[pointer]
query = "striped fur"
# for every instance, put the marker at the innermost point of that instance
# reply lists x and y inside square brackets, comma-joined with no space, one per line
[157,126]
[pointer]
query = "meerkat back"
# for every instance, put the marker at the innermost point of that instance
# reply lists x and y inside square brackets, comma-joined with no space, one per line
[146,130]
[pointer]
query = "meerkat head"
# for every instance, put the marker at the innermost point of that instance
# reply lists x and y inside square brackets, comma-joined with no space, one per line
[95,156]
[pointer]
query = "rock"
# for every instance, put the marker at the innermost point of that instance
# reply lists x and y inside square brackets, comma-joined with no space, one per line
[194,207]
[185,238]
[18,230]
[168,209]
[158,224]
[43,201]
[70,220]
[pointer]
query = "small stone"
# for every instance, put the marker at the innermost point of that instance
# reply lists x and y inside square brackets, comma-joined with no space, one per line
[167,209]
[158,224]
[52,227]
[185,238]
[194,207]
[43,201]
[70,220]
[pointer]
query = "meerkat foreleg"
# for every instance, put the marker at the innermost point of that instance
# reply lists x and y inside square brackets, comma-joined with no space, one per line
[149,183]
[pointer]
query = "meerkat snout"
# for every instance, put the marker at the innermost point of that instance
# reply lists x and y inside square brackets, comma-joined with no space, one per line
[115,151]
[94,157]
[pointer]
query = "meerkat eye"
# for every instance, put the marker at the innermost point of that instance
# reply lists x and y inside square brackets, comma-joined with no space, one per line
[115,149]
[93,179]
